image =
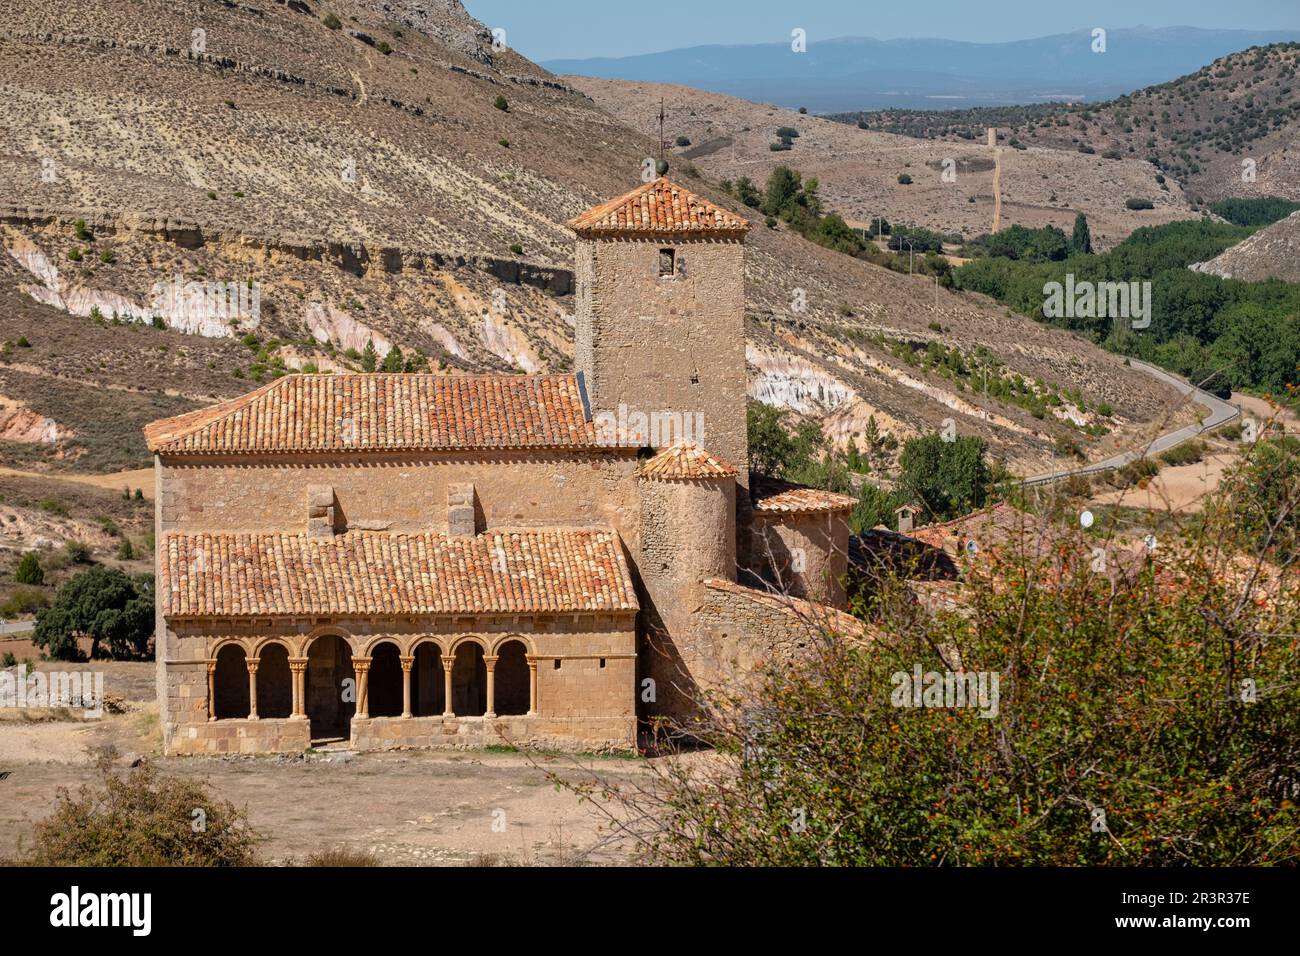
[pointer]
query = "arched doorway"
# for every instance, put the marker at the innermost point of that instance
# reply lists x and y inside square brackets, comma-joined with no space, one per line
[469,681]
[230,683]
[274,682]
[510,679]
[428,689]
[331,692]
[385,681]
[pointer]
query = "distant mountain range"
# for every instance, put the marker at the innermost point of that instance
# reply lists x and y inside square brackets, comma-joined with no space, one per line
[860,73]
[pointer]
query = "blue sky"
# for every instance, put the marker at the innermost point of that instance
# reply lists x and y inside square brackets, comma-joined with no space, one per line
[551,29]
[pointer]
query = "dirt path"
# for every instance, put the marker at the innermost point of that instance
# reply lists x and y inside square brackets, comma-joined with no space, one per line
[1183,488]
[407,807]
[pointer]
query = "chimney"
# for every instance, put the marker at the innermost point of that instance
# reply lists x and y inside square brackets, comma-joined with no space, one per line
[320,511]
[461,518]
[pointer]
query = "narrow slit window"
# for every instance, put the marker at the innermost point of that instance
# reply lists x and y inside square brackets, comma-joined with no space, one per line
[667,263]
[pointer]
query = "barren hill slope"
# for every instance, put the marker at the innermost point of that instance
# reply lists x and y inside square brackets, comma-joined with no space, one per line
[363,183]
[858,170]
[1227,130]
[1271,253]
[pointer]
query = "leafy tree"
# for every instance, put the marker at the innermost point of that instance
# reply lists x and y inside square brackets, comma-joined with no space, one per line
[784,187]
[110,607]
[1081,239]
[29,570]
[770,446]
[946,478]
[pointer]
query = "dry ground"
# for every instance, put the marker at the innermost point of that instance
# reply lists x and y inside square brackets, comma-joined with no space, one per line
[408,808]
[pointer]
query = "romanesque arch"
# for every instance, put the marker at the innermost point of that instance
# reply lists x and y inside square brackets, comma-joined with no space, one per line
[511,679]
[330,700]
[469,679]
[230,697]
[274,681]
[385,693]
[428,686]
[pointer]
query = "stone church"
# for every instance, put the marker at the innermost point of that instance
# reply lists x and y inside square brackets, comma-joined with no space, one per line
[416,560]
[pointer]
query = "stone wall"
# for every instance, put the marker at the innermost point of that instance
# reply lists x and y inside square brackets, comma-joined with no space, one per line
[578,734]
[688,534]
[401,494]
[803,555]
[242,737]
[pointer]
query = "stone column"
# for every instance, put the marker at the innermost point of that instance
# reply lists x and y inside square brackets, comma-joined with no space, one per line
[446,685]
[298,668]
[407,663]
[252,663]
[532,686]
[212,699]
[491,663]
[361,666]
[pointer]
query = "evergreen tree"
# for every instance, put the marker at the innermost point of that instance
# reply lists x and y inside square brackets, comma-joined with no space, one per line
[393,361]
[1081,241]
[369,357]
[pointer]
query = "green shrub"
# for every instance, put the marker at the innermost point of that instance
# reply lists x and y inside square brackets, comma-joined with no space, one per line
[29,570]
[502,104]
[1121,736]
[1186,453]
[24,601]
[1139,204]
[75,255]
[142,818]
[333,22]
[383,47]
[78,552]
[904,179]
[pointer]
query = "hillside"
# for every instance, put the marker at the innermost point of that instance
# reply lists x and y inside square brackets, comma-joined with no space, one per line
[1271,253]
[858,170]
[362,181]
[1199,128]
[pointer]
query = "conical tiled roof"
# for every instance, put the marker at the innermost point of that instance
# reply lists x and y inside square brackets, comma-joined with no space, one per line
[686,461]
[660,207]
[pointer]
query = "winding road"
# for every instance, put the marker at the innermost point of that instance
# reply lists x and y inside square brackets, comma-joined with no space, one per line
[1220,412]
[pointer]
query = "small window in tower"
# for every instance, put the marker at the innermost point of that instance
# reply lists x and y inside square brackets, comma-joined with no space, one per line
[667,263]
[557,663]
[602,662]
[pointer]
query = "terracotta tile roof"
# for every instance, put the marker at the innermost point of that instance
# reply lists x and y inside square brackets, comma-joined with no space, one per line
[774,495]
[686,460]
[526,570]
[800,610]
[410,412]
[657,208]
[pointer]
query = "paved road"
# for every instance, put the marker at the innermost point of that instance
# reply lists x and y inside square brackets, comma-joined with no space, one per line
[1219,412]
[20,627]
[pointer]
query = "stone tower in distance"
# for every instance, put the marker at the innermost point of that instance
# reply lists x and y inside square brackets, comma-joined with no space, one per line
[661,315]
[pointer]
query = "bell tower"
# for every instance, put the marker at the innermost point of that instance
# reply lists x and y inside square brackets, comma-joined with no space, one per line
[660,338]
